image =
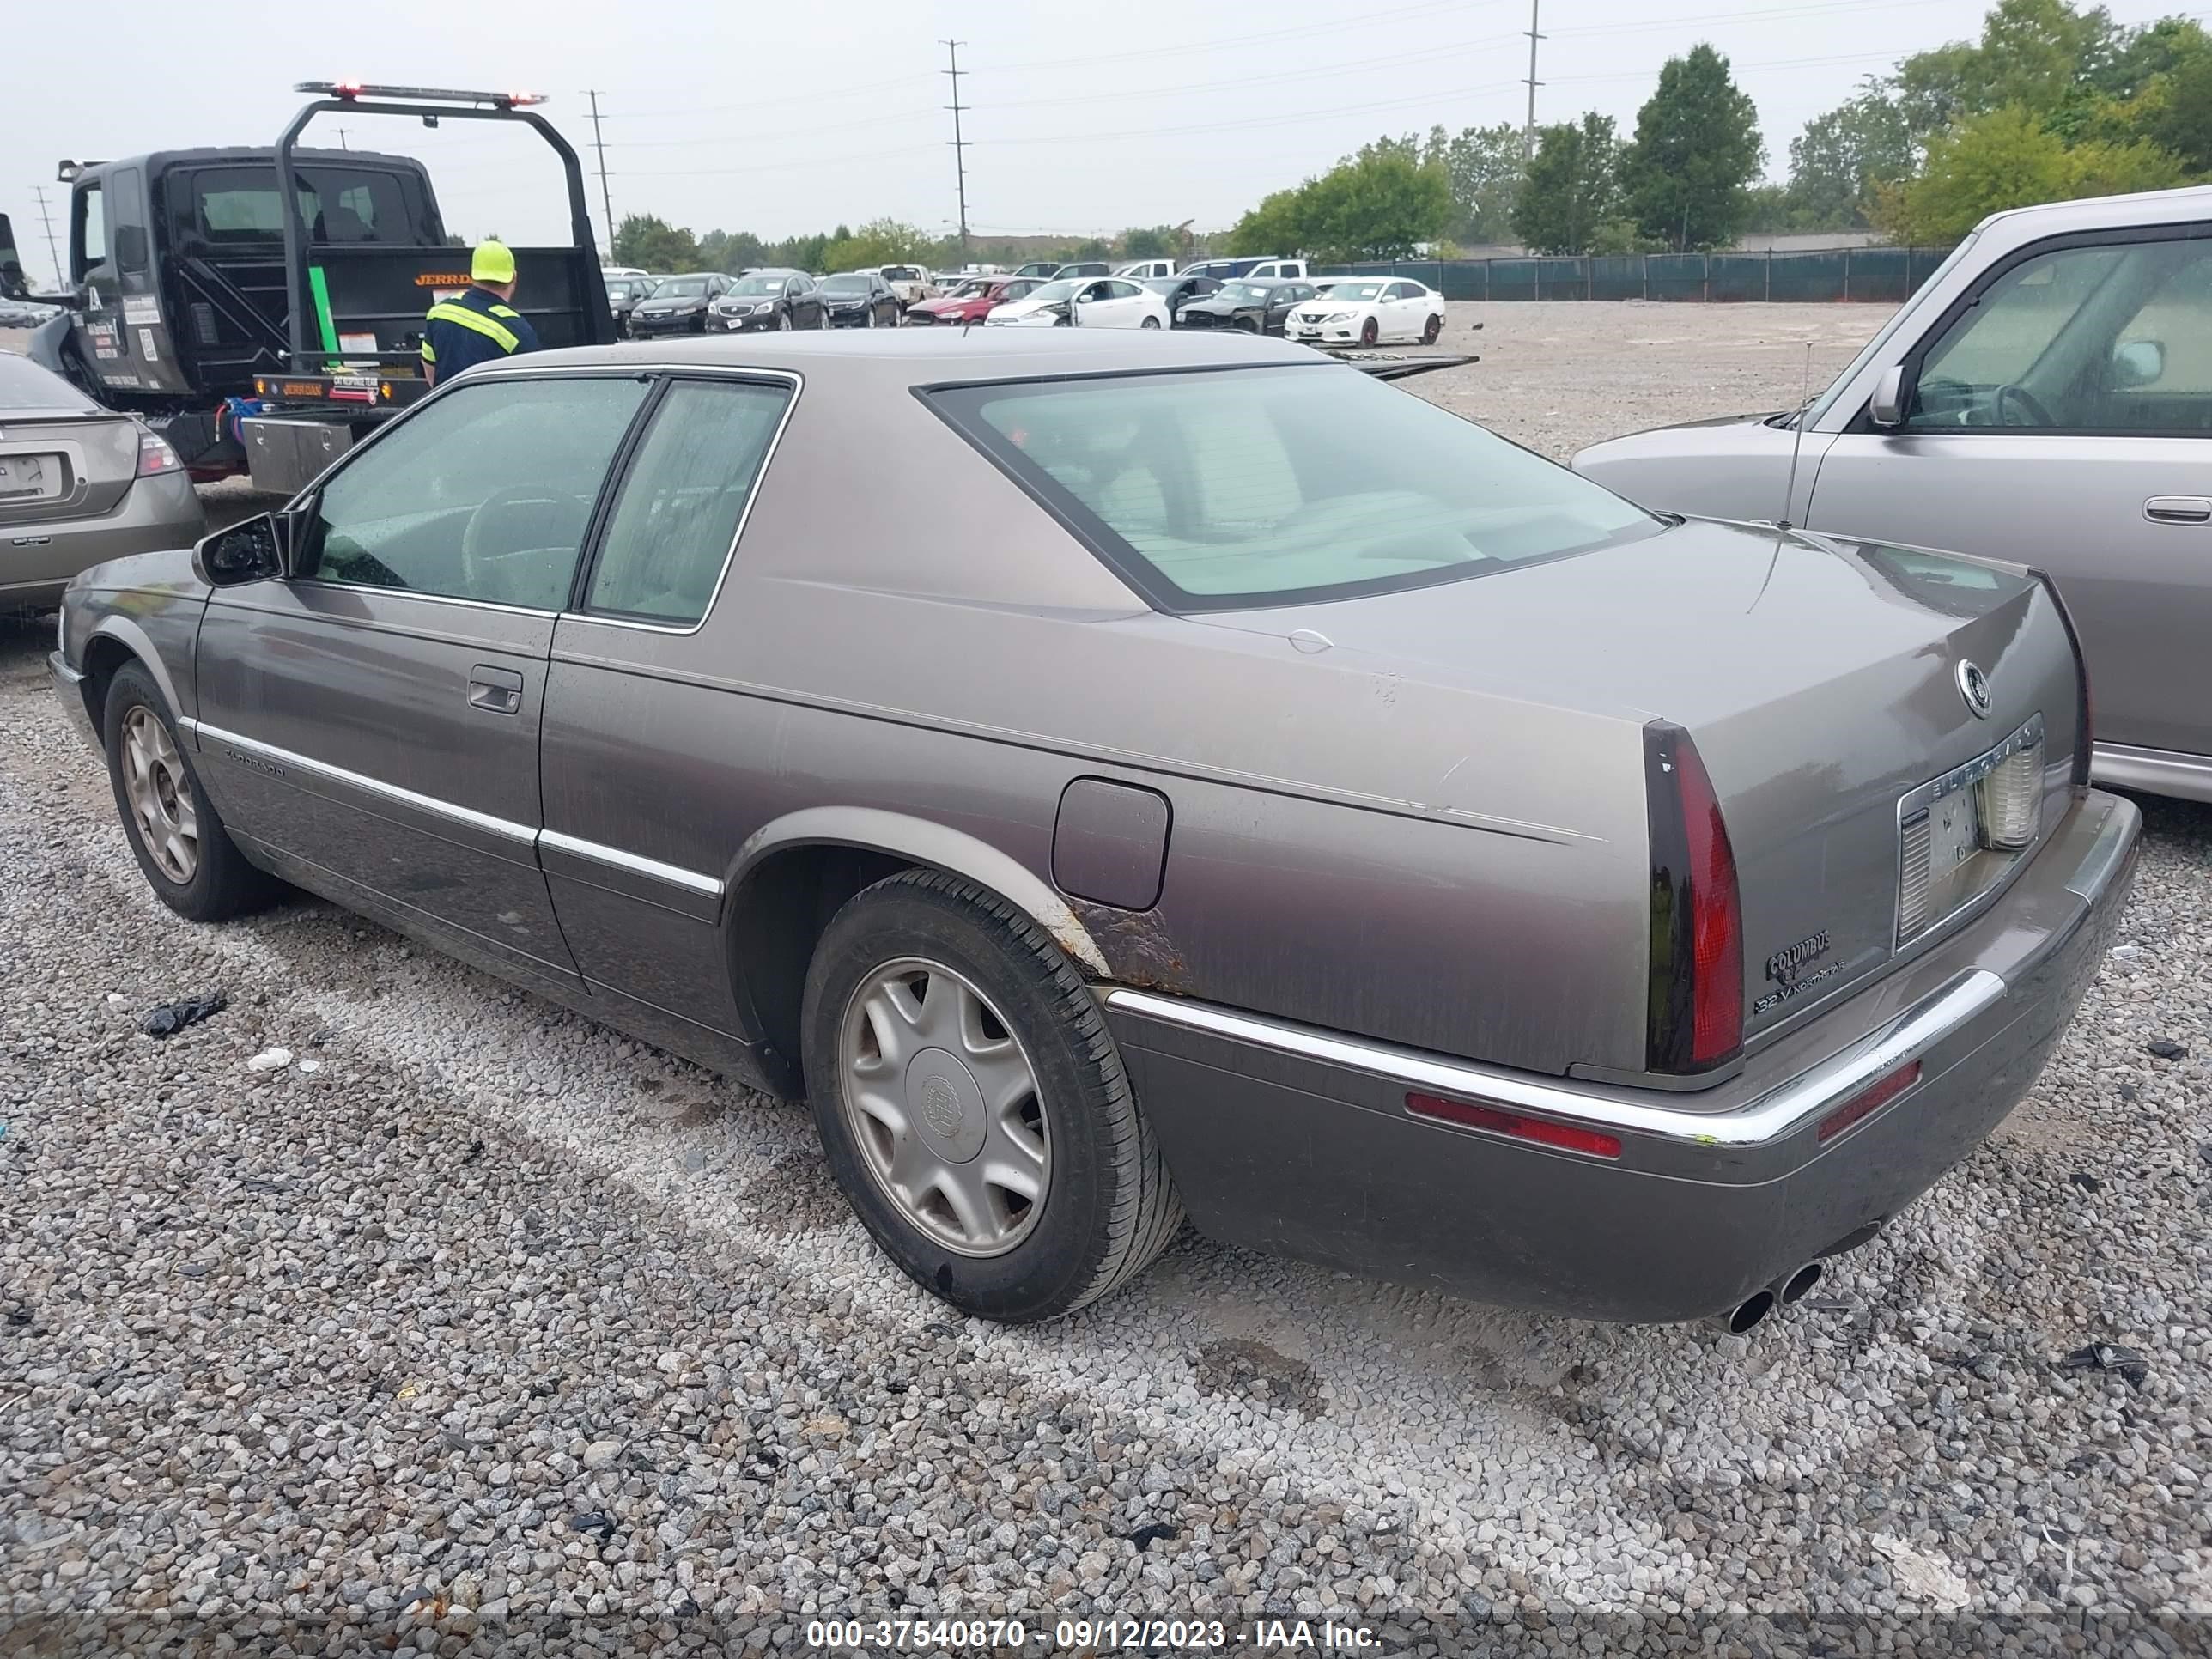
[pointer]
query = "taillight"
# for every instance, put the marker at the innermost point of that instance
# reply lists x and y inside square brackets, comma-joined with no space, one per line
[155,455]
[1696,1010]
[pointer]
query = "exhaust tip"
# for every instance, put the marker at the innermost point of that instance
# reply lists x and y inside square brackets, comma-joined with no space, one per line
[1744,1315]
[1792,1288]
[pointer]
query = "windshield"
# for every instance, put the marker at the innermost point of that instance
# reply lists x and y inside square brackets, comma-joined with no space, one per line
[971,290]
[621,290]
[1355,291]
[756,287]
[1246,293]
[681,288]
[1236,489]
[846,284]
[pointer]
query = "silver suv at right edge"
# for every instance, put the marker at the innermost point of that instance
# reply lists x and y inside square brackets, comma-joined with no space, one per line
[2046,398]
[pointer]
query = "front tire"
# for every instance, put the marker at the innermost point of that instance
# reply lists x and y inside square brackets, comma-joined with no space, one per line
[1370,333]
[783,322]
[973,1106]
[174,831]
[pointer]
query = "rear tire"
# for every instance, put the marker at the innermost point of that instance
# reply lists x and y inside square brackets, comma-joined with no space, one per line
[933,1166]
[1149,322]
[174,831]
[1436,327]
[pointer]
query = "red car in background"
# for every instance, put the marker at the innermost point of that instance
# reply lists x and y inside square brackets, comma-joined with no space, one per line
[972,300]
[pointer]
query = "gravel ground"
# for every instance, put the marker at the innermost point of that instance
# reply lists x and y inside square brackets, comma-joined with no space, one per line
[476,1316]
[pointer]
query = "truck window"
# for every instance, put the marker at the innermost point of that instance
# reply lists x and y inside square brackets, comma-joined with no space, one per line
[89,234]
[235,205]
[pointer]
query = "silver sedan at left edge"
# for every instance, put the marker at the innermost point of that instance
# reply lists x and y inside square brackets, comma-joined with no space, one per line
[1193,777]
[78,484]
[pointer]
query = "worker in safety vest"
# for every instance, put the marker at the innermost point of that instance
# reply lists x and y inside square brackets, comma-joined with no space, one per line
[480,325]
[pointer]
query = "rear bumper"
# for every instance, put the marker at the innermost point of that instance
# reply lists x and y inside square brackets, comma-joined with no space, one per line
[37,559]
[1286,1137]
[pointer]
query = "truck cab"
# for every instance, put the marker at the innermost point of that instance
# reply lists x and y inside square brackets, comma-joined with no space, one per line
[176,264]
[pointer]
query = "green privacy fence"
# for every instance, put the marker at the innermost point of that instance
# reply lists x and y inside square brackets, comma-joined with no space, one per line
[1883,275]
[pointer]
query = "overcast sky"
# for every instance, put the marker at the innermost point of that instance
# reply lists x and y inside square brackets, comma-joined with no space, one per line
[1087,116]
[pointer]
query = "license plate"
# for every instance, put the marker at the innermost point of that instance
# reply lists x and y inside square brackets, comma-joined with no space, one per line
[1954,831]
[34,477]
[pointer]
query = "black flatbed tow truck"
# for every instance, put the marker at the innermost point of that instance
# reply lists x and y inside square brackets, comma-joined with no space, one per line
[206,301]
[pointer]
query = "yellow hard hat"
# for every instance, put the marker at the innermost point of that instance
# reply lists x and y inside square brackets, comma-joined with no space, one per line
[493,261]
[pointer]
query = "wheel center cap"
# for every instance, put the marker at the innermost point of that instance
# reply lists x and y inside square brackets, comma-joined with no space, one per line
[947,1106]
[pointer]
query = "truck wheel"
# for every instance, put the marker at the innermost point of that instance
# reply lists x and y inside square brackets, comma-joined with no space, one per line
[973,1105]
[173,828]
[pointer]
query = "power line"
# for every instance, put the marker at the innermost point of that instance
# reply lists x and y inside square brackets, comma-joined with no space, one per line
[959,143]
[1529,131]
[53,252]
[607,201]
[342,132]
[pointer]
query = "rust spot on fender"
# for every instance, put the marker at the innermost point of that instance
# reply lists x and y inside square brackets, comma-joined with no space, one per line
[1137,948]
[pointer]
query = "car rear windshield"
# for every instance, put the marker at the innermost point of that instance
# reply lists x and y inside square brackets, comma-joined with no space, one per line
[27,389]
[1233,489]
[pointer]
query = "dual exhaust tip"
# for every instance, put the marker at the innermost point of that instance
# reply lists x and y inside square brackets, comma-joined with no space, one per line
[1755,1307]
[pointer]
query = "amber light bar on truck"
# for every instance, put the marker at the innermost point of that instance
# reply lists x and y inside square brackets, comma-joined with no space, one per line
[350,89]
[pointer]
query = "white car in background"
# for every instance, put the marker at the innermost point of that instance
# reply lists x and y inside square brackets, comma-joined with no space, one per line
[1086,301]
[1367,311]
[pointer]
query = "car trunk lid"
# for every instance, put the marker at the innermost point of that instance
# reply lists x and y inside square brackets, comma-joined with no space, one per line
[55,465]
[1822,684]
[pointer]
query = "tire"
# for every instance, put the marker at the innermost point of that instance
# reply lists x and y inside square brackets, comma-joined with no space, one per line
[1104,1205]
[868,318]
[1436,327]
[215,883]
[783,322]
[1370,333]
[1149,322]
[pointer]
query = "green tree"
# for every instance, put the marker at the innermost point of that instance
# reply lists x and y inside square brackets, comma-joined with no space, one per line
[653,244]
[2032,52]
[879,242]
[1573,186]
[1697,146]
[2009,158]
[1149,242]
[1485,167]
[1837,161]
[2176,113]
[1381,204]
[1273,227]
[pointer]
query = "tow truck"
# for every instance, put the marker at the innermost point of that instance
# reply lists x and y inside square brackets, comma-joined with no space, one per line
[263,308]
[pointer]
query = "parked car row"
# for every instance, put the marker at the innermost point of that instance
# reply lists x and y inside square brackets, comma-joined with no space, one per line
[1347,310]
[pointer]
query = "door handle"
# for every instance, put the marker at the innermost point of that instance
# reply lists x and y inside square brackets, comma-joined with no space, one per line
[494,690]
[2177,509]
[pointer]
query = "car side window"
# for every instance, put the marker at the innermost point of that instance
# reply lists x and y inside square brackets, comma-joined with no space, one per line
[484,493]
[2101,338]
[681,502]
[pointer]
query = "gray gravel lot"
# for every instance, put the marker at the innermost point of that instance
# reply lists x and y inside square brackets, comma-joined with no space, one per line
[492,1315]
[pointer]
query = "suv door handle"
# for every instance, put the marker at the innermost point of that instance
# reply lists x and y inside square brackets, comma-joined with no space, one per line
[494,690]
[2177,509]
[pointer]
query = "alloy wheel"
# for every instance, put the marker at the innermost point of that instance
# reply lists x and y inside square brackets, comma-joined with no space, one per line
[943,1103]
[160,797]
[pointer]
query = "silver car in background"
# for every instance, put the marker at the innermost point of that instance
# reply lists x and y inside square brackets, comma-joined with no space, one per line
[2045,398]
[78,484]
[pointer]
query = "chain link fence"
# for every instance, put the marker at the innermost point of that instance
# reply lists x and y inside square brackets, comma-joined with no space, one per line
[1886,276]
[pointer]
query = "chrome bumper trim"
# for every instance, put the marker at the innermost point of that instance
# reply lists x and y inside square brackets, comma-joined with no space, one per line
[1772,1117]
[2153,771]
[615,859]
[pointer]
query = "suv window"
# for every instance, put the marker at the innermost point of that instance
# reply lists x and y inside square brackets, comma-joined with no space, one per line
[91,234]
[676,522]
[1242,488]
[484,493]
[2113,338]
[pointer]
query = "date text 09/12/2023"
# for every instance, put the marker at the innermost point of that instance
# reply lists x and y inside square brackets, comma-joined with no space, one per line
[1104,1635]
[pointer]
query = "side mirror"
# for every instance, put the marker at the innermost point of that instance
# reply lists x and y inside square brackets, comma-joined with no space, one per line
[2138,364]
[250,551]
[1885,409]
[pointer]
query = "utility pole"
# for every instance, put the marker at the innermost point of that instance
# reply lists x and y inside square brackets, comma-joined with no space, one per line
[959,143]
[60,281]
[1528,132]
[606,202]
